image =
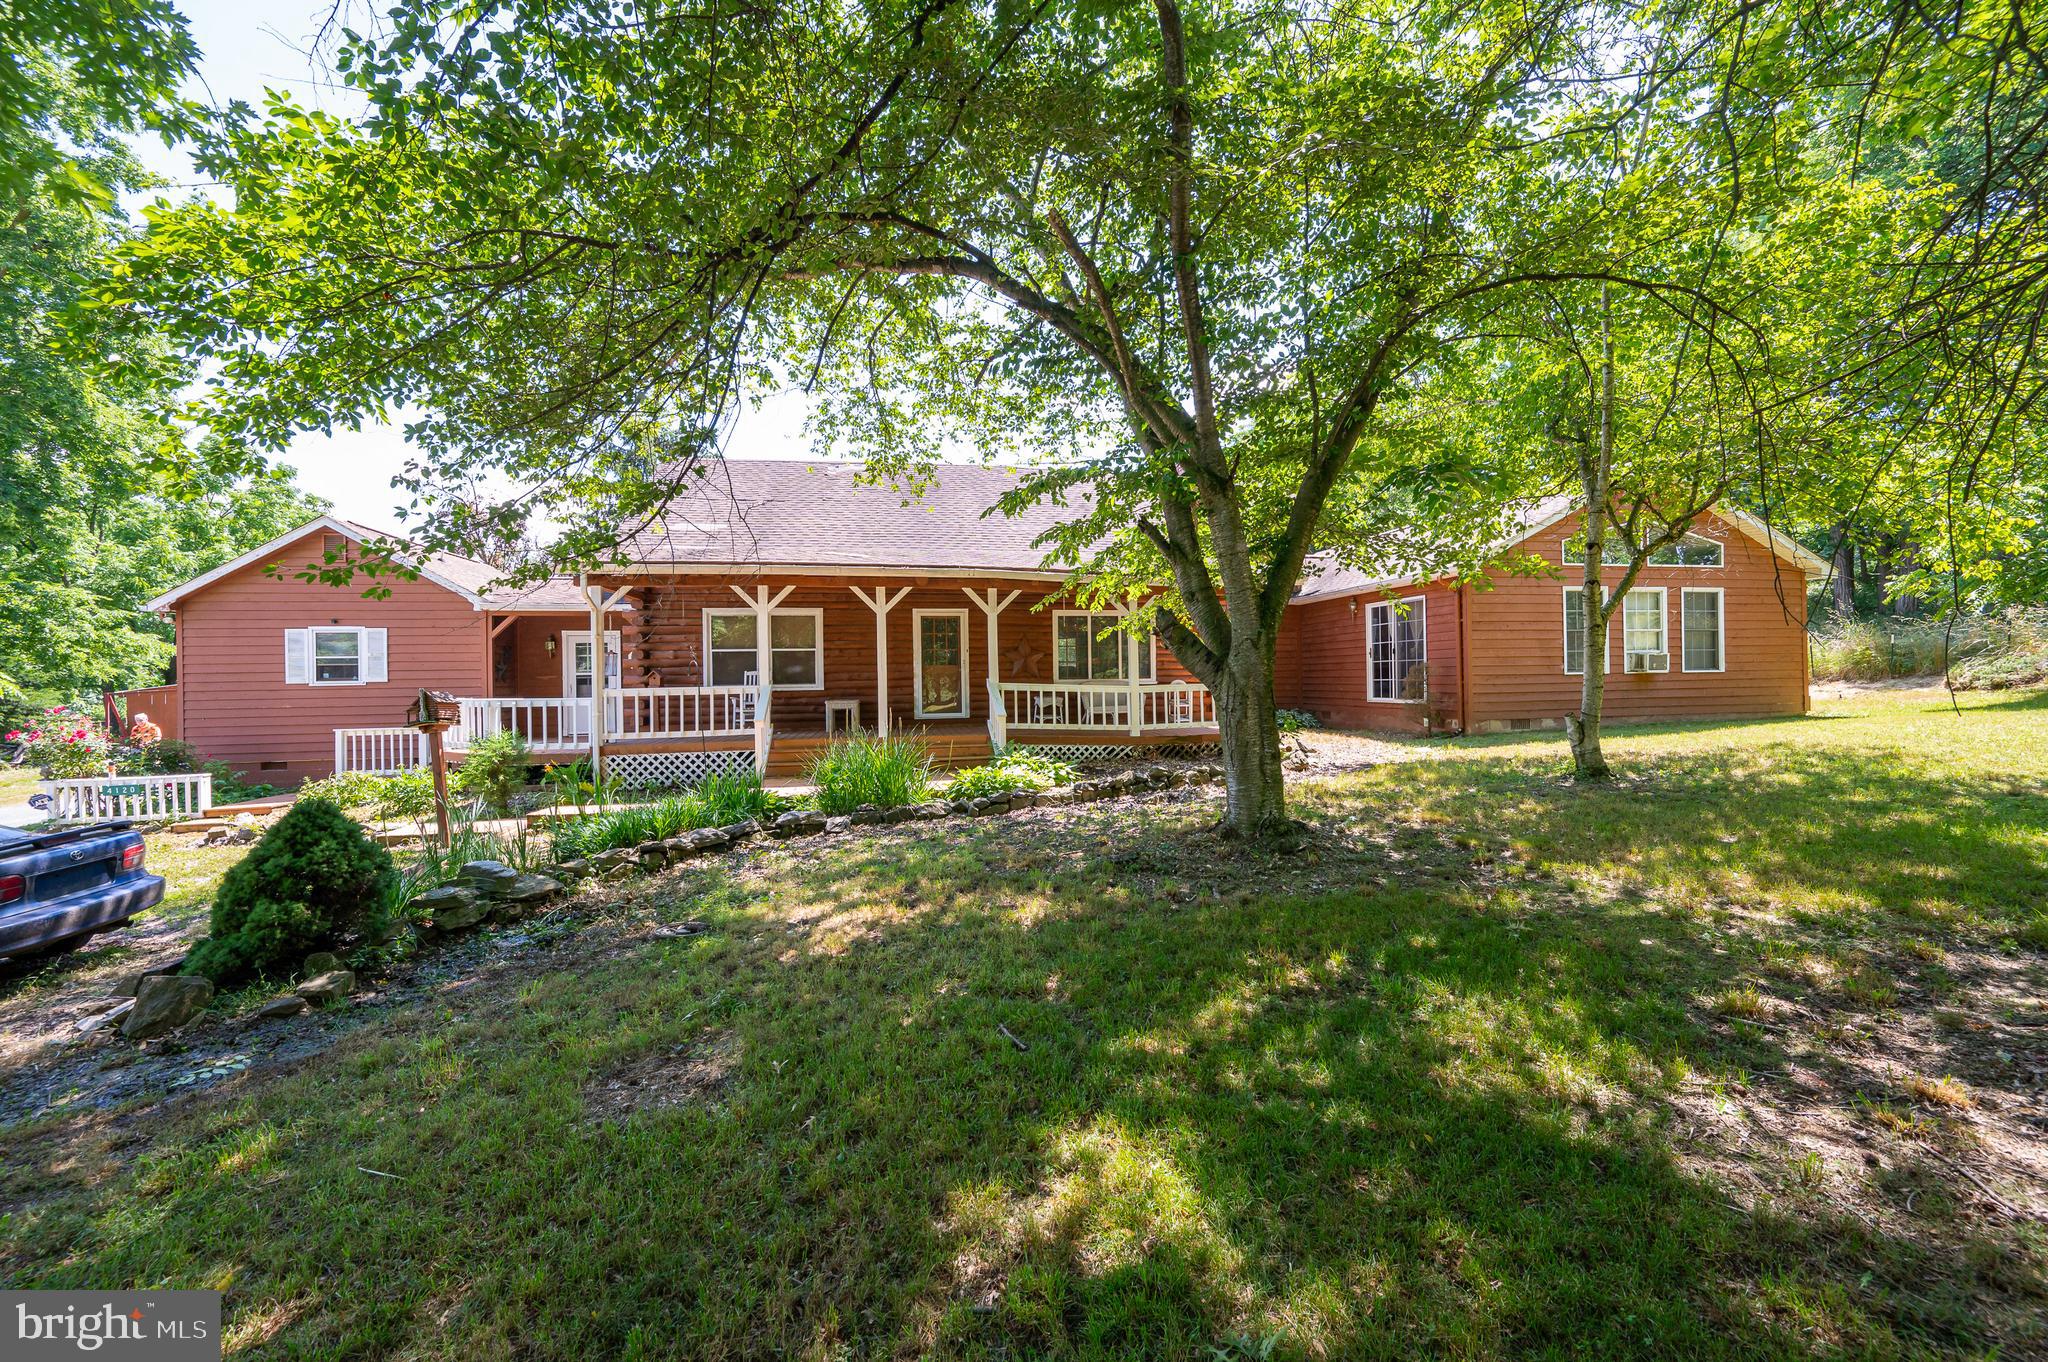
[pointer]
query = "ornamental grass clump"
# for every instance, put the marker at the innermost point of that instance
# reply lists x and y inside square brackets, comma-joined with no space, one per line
[866,769]
[314,881]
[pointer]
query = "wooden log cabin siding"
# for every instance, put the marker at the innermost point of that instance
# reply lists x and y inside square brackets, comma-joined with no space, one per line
[1517,640]
[663,637]
[1321,663]
[235,706]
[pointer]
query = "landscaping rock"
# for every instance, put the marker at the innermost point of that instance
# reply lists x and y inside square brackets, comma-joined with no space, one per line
[959,806]
[285,1005]
[326,988]
[936,808]
[989,805]
[1050,799]
[487,877]
[739,832]
[839,824]
[576,869]
[867,815]
[164,1002]
[527,893]
[608,862]
[798,822]
[1024,799]
[453,907]
[653,855]
[321,962]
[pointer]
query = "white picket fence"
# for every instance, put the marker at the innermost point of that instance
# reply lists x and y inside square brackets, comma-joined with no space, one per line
[139,797]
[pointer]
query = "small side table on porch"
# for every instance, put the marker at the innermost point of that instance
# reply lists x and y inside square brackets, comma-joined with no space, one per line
[841,713]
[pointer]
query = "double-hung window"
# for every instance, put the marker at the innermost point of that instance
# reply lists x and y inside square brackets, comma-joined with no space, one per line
[796,648]
[1642,631]
[1396,648]
[1096,647]
[337,655]
[1701,617]
[1575,634]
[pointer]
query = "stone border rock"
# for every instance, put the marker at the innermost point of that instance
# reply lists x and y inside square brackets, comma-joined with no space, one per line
[649,857]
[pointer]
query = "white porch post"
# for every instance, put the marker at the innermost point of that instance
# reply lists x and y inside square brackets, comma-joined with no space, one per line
[1137,695]
[601,603]
[763,605]
[991,608]
[882,602]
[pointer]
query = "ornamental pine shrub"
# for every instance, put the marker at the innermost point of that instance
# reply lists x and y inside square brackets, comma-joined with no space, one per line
[314,879]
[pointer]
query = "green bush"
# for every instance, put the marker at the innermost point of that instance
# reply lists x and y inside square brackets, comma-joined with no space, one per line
[717,801]
[492,771]
[1294,720]
[1009,773]
[314,879]
[866,769]
[405,797]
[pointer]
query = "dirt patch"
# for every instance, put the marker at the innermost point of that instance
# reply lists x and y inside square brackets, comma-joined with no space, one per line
[1846,690]
[682,1075]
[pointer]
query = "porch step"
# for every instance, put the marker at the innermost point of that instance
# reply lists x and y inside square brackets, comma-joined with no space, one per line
[791,756]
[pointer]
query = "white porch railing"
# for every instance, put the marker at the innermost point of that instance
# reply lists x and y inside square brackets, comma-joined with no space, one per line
[681,712]
[552,724]
[380,751]
[1100,706]
[159,796]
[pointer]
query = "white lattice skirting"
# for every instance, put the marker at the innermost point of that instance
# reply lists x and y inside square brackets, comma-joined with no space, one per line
[1090,753]
[674,770]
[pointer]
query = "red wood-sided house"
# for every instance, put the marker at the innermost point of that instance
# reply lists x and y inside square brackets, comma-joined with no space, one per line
[780,601]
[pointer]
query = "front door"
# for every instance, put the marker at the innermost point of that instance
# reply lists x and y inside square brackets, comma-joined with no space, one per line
[941,664]
[577,655]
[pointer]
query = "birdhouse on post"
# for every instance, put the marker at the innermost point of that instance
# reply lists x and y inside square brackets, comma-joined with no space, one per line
[433,714]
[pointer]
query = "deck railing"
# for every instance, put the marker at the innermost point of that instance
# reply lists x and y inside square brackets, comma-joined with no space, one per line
[380,751]
[158,796]
[1105,705]
[557,724]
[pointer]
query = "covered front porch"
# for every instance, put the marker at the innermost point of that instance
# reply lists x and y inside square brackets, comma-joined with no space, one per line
[768,669]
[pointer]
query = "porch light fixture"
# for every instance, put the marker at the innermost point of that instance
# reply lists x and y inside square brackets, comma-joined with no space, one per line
[551,645]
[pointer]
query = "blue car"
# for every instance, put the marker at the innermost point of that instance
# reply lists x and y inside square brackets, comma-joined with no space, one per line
[57,888]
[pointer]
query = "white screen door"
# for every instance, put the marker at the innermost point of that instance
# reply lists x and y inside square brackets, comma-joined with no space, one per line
[576,679]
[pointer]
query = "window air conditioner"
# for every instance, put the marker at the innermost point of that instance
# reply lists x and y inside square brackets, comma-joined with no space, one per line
[1647,662]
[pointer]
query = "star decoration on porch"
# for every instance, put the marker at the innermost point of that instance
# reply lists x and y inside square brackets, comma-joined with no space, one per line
[1023,659]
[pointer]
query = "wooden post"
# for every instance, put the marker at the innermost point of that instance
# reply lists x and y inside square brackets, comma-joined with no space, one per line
[437,759]
[763,606]
[882,602]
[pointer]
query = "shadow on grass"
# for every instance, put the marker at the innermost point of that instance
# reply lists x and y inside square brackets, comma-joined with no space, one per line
[1029,1091]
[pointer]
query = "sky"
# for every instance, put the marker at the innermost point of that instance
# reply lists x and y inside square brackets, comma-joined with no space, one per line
[247,47]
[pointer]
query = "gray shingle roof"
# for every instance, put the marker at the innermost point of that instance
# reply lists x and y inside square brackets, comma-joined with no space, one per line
[817,514]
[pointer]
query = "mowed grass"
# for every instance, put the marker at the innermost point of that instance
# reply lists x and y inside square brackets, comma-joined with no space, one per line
[1095,1088]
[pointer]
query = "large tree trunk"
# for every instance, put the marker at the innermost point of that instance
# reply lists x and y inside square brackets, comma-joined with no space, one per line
[1254,778]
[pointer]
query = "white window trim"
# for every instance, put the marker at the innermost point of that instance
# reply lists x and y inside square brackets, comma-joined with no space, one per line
[1564,555]
[1419,613]
[1720,596]
[1129,645]
[313,632]
[966,710]
[817,615]
[1664,630]
[1607,668]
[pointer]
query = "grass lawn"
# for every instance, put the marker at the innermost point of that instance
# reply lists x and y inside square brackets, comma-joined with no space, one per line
[1491,1066]
[17,783]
